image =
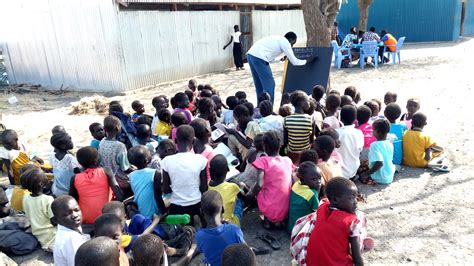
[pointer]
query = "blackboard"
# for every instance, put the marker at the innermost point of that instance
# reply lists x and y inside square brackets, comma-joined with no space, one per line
[306,77]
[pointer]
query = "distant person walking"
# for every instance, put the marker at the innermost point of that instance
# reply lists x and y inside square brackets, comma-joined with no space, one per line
[264,52]
[237,50]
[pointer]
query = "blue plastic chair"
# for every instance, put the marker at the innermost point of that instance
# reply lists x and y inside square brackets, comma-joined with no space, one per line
[369,49]
[397,51]
[338,56]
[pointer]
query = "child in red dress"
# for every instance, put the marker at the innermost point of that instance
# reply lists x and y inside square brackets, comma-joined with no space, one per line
[339,234]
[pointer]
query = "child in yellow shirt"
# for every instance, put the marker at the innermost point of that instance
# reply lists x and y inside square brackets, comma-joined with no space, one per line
[163,127]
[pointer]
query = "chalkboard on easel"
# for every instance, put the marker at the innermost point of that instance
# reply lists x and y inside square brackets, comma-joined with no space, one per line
[306,77]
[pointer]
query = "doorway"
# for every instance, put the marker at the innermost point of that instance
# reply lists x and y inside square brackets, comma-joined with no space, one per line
[463,16]
[246,29]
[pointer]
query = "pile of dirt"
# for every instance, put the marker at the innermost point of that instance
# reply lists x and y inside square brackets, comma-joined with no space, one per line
[89,105]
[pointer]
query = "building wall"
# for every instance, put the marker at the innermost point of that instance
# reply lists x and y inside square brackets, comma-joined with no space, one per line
[469,19]
[63,43]
[419,21]
[266,23]
[161,46]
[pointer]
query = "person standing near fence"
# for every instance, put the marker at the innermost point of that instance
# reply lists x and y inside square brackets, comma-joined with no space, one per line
[237,50]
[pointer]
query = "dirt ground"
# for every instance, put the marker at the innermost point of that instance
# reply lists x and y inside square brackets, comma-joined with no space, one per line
[422,218]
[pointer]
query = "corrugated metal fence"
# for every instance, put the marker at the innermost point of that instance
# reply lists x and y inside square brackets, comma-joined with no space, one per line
[469,19]
[419,21]
[163,46]
[63,43]
[266,23]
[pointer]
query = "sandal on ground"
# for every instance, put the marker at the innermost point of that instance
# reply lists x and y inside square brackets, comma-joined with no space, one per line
[261,250]
[269,239]
[443,168]
[368,244]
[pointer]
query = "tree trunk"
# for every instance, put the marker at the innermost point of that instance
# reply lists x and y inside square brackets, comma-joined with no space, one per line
[364,13]
[319,16]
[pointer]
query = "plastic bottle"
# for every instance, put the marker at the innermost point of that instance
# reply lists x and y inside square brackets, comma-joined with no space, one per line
[175,219]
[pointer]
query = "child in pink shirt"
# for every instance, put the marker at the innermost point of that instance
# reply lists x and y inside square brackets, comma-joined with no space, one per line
[364,113]
[335,136]
[274,181]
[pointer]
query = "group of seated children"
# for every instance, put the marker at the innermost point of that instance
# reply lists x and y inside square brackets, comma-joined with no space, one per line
[293,163]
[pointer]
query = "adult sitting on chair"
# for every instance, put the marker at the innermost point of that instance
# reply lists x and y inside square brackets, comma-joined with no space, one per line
[390,44]
[351,38]
[372,36]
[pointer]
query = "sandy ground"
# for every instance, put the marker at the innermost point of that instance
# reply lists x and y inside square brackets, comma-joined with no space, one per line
[422,218]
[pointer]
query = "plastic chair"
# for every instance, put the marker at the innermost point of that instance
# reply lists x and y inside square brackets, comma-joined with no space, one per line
[369,49]
[397,51]
[338,56]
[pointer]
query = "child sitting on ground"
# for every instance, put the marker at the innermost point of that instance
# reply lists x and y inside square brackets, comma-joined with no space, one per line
[165,148]
[274,181]
[144,138]
[163,127]
[233,205]
[184,175]
[177,119]
[374,106]
[218,106]
[113,153]
[419,149]
[298,128]
[212,240]
[390,97]
[242,96]
[352,142]
[206,111]
[264,96]
[331,132]
[333,102]
[339,234]
[145,183]
[149,250]
[324,146]
[93,187]
[182,103]
[397,130]
[346,100]
[381,168]
[37,207]
[69,236]
[192,102]
[309,156]
[15,155]
[304,193]
[238,254]
[231,102]
[64,163]
[363,115]
[413,105]
[18,192]
[139,109]
[318,94]
[158,102]
[201,144]
[351,91]
[97,252]
[270,121]
[98,133]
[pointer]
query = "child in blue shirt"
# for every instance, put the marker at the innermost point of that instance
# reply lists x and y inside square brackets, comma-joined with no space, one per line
[98,133]
[212,240]
[145,182]
[397,130]
[381,168]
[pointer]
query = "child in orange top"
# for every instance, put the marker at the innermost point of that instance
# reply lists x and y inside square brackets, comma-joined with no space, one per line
[419,149]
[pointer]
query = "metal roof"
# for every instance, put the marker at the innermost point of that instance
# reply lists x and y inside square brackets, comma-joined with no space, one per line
[214,2]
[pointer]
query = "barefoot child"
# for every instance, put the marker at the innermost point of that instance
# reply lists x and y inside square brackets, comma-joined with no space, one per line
[413,106]
[381,168]
[304,193]
[216,236]
[352,142]
[98,133]
[274,181]
[363,116]
[69,236]
[397,130]
[338,232]
[37,207]
[64,163]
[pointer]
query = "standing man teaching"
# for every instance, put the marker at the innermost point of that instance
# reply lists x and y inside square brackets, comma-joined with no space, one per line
[237,50]
[266,51]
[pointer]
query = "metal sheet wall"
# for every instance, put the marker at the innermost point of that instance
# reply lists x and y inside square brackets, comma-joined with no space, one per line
[68,43]
[163,46]
[419,21]
[469,19]
[266,23]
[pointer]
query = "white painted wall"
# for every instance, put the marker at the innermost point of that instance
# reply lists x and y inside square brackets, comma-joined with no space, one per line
[267,23]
